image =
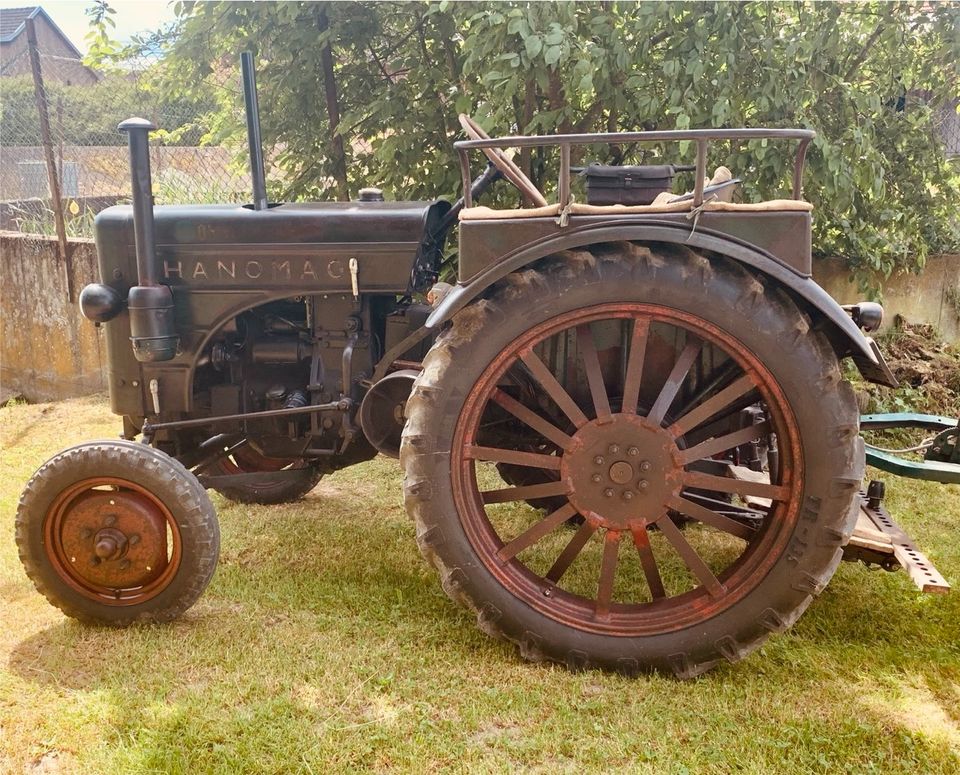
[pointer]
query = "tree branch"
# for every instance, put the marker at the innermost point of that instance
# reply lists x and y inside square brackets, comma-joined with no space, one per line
[855,65]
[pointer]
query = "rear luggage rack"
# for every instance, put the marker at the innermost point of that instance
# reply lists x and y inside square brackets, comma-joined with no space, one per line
[701,137]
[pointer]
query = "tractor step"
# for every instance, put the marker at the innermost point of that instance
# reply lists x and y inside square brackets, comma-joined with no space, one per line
[878,539]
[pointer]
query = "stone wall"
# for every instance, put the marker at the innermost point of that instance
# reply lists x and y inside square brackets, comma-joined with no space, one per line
[48,350]
[933,296]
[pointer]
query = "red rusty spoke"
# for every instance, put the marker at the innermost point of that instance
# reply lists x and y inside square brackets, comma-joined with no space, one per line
[544,427]
[553,388]
[672,386]
[712,518]
[591,366]
[526,493]
[608,571]
[634,371]
[539,530]
[571,551]
[513,457]
[712,405]
[648,562]
[720,444]
[741,487]
[690,557]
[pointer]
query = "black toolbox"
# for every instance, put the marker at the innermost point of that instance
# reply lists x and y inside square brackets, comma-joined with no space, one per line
[607,185]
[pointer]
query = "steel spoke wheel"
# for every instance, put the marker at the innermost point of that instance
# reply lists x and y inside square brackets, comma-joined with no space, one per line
[247,460]
[696,504]
[115,532]
[626,471]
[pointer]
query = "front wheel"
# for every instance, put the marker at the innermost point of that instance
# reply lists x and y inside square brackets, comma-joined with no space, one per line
[114,532]
[652,385]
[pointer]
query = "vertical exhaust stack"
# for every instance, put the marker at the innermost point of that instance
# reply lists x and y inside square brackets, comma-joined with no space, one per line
[152,326]
[253,131]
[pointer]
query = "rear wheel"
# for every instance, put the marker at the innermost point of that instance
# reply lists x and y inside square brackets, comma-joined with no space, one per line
[645,380]
[247,460]
[114,532]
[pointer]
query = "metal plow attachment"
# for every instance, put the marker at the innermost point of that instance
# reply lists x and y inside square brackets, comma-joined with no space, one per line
[878,539]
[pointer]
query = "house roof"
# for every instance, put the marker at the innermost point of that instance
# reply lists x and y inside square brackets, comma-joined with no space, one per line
[13,23]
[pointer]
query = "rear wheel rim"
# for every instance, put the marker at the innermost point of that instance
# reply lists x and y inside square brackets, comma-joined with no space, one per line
[113,541]
[601,451]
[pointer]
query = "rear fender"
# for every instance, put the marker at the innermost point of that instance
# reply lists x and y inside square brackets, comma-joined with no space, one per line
[845,336]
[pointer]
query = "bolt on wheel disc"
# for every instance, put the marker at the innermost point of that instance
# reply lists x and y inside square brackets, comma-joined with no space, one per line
[112,541]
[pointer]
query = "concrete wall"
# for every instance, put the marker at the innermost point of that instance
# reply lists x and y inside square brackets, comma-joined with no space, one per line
[930,297]
[48,350]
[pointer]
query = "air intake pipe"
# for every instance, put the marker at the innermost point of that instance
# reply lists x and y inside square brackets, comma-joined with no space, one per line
[150,304]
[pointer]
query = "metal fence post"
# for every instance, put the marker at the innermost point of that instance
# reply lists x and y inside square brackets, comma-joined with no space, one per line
[52,178]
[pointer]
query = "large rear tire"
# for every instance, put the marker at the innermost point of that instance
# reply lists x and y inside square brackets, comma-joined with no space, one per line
[632,362]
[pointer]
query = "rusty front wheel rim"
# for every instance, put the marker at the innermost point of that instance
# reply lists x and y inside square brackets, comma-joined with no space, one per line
[110,528]
[500,555]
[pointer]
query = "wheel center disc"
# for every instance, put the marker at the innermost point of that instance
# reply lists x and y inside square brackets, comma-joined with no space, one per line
[116,540]
[622,471]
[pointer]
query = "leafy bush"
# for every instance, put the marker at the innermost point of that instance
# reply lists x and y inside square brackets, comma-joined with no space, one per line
[363,92]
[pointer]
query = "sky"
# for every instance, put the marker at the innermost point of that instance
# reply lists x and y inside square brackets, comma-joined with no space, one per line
[132,16]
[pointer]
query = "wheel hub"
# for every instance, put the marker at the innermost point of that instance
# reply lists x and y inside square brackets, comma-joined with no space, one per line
[112,539]
[622,471]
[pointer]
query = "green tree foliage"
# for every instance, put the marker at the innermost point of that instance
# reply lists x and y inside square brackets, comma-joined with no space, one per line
[869,77]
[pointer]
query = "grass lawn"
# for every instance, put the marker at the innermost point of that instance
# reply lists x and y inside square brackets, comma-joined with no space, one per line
[325,644]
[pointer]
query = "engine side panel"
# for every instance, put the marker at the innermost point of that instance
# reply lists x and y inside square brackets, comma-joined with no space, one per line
[222,259]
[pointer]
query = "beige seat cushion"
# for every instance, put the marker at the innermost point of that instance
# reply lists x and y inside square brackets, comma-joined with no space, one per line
[773,205]
[551,211]
[487,213]
[663,207]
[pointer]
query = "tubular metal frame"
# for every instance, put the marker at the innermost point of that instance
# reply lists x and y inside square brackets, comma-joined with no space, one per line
[702,137]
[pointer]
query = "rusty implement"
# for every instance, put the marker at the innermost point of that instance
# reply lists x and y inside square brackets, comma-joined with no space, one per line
[878,539]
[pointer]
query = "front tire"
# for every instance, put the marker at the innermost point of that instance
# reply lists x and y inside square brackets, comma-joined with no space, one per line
[560,349]
[114,532]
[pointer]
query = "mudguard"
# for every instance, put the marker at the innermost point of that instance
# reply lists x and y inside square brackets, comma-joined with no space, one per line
[847,338]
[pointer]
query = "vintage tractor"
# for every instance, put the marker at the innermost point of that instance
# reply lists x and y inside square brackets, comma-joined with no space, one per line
[625,436]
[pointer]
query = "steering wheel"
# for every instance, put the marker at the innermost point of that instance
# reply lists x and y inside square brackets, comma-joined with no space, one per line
[502,162]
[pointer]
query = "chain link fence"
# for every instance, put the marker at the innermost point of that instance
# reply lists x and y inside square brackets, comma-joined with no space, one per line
[948,123]
[89,155]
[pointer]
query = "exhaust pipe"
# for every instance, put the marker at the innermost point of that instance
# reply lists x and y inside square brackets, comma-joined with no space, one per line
[152,326]
[253,131]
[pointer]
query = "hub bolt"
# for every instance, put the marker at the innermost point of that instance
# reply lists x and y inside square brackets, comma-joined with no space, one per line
[643,484]
[608,493]
[613,449]
[645,465]
[633,451]
[627,495]
[596,478]
[134,539]
[86,533]
[124,564]
[110,520]
[598,460]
